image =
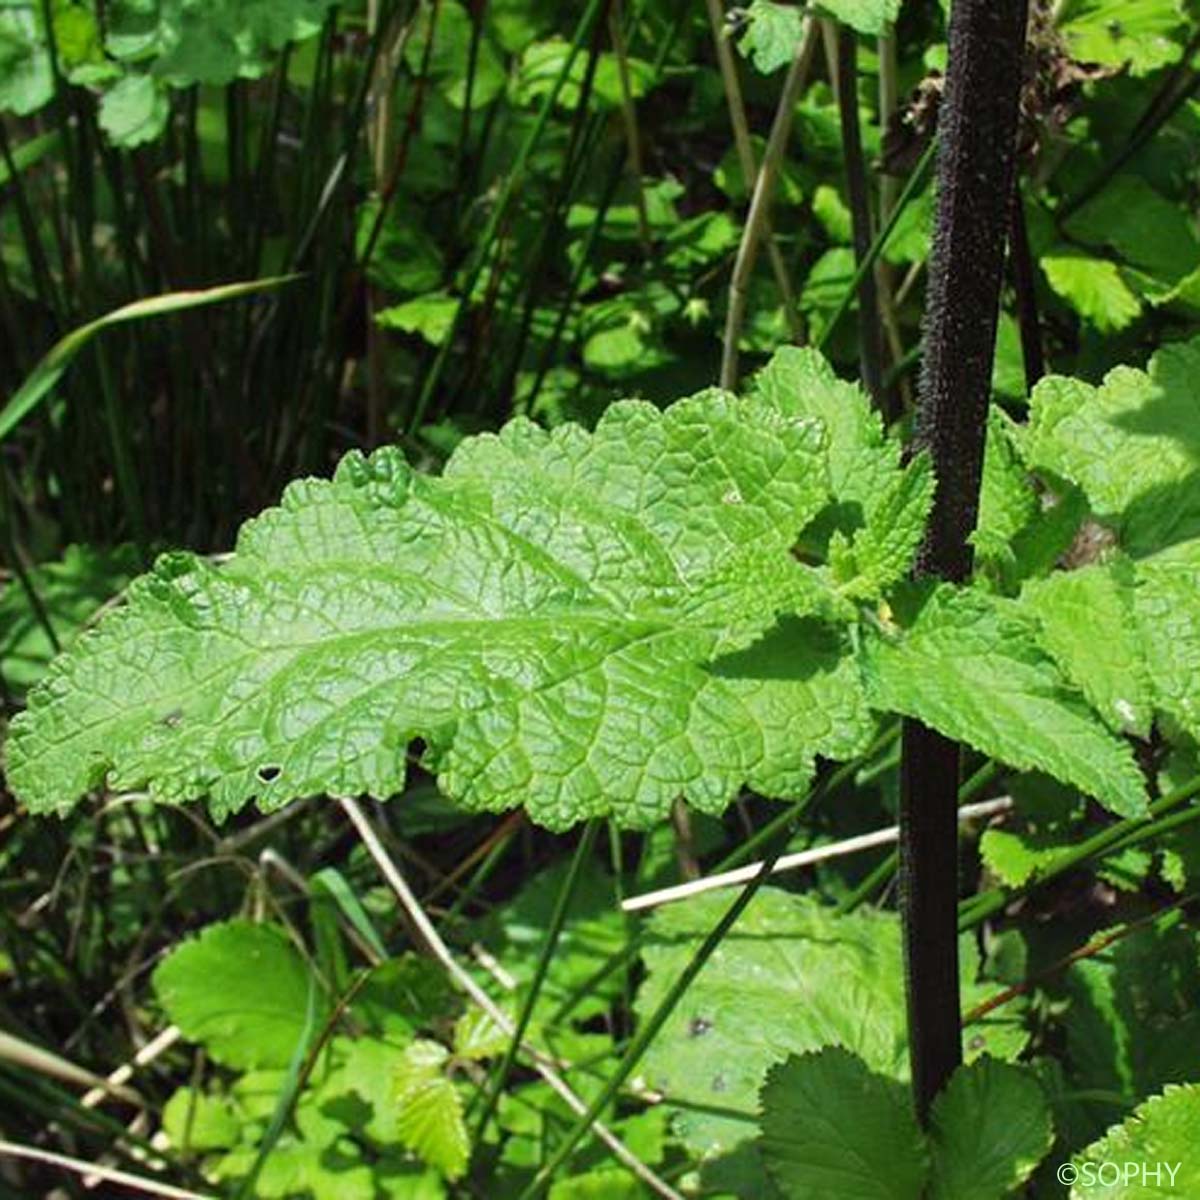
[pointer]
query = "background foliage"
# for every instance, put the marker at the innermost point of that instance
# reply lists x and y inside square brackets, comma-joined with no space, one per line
[456,215]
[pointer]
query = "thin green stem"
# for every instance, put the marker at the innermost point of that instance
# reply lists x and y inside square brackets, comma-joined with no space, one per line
[500,211]
[916,181]
[869,342]
[647,1032]
[558,918]
[987,904]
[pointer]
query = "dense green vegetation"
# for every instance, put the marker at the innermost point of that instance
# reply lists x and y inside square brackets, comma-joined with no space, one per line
[459,476]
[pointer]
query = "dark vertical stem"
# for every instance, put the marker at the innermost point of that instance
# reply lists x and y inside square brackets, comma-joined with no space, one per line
[1020,263]
[977,137]
[869,341]
[477,10]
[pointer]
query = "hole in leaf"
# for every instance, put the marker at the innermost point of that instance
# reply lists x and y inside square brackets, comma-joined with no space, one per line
[269,773]
[698,1026]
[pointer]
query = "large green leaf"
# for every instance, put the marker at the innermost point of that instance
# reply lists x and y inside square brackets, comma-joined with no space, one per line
[1142,225]
[790,977]
[542,616]
[241,990]
[968,665]
[1132,445]
[1151,1156]
[831,1127]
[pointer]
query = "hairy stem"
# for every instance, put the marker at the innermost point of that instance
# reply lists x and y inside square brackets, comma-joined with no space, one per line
[976,136]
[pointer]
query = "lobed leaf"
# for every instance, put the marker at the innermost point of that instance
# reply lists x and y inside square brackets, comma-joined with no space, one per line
[543,616]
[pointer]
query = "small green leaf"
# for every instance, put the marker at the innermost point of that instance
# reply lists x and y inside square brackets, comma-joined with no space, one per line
[195,1120]
[542,63]
[478,1036]
[1094,287]
[1158,1143]
[431,316]
[188,43]
[1014,858]
[26,74]
[830,1127]
[882,550]
[990,1127]
[241,990]
[772,36]
[452,45]
[1116,33]
[135,111]
[1007,500]
[430,1113]
[362,1085]
[834,214]
[864,16]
